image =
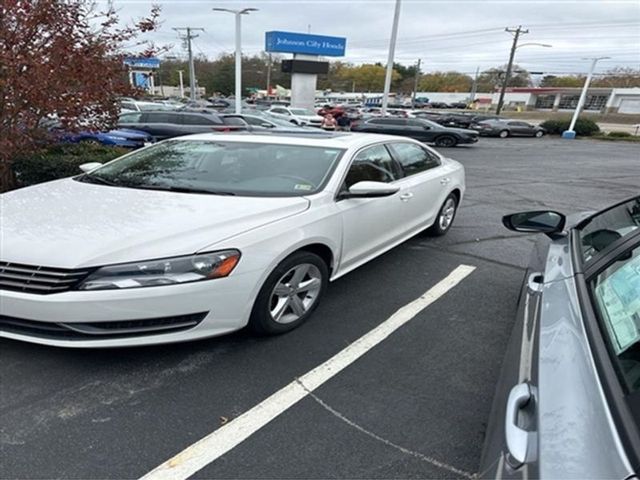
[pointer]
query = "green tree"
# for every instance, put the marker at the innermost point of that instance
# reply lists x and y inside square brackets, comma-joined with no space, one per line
[445,82]
[492,79]
[367,77]
[562,81]
[621,77]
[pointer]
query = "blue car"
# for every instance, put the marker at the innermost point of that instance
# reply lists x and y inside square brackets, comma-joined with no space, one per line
[118,138]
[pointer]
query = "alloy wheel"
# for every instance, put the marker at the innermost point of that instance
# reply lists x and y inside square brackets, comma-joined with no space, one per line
[447,213]
[295,293]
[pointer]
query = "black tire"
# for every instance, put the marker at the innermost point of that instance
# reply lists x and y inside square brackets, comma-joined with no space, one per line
[504,133]
[446,141]
[438,228]
[261,321]
[538,134]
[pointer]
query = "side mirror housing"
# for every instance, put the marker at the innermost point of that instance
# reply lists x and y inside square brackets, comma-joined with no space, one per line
[88,167]
[367,189]
[548,222]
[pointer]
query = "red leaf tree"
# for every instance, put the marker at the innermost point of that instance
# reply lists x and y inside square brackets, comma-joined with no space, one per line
[64,59]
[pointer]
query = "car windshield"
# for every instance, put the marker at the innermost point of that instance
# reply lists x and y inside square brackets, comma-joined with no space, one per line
[222,167]
[430,123]
[606,227]
[302,111]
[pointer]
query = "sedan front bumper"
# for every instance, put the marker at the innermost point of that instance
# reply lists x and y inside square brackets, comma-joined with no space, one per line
[129,317]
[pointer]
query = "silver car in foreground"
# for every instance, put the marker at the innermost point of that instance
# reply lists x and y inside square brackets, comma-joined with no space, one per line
[567,403]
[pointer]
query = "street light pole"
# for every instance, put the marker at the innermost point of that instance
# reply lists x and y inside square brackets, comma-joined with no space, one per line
[518,31]
[392,51]
[181,84]
[570,133]
[238,13]
[415,85]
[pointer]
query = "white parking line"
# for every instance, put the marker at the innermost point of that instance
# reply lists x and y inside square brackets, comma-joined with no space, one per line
[213,446]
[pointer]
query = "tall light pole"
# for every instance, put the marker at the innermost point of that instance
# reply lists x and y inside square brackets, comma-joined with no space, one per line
[238,13]
[392,51]
[181,84]
[192,71]
[415,84]
[583,95]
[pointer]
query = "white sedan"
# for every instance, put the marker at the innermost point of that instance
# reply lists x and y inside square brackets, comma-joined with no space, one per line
[297,116]
[202,235]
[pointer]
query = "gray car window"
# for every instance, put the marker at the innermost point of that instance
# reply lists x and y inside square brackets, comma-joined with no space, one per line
[607,227]
[158,117]
[197,120]
[414,159]
[617,297]
[373,164]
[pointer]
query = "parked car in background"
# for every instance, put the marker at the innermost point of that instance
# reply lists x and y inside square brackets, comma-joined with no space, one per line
[129,106]
[298,116]
[418,129]
[456,120]
[567,403]
[508,128]
[266,120]
[126,138]
[161,125]
[459,105]
[203,235]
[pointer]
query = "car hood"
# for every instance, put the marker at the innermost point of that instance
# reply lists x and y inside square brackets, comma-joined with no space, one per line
[315,118]
[71,224]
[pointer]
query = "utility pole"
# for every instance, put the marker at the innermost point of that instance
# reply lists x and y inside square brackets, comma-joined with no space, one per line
[269,75]
[415,85]
[474,86]
[192,71]
[517,32]
[181,83]
[570,133]
[392,51]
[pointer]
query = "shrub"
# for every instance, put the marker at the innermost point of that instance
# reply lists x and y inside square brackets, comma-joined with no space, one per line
[584,126]
[619,134]
[59,161]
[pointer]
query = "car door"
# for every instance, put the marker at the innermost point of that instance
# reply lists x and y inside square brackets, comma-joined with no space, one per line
[425,183]
[418,130]
[370,224]
[519,128]
[197,123]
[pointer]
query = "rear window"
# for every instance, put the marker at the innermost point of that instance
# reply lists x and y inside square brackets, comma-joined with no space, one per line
[234,121]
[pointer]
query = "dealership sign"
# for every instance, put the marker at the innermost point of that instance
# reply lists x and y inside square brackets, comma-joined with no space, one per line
[142,62]
[289,42]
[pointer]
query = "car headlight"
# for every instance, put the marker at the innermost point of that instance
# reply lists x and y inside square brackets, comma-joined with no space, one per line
[166,271]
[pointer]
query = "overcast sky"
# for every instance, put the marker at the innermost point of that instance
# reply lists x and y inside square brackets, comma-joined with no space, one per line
[445,34]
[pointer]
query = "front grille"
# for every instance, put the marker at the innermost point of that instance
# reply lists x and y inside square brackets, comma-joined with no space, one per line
[37,279]
[99,330]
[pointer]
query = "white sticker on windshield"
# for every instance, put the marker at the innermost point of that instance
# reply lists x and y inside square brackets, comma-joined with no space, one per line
[302,186]
[619,296]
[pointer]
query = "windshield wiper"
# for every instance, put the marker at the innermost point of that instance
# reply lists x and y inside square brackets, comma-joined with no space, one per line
[89,178]
[170,188]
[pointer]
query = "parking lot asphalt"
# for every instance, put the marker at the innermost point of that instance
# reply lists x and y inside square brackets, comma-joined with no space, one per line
[415,406]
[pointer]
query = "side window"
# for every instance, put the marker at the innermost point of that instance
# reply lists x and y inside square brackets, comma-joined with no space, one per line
[373,164]
[616,293]
[129,106]
[395,121]
[130,117]
[414,159]
[254,120]
[416,123]
[157,117]
[196,120]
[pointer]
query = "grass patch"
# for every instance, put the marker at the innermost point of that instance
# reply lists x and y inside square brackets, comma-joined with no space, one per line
[617,138]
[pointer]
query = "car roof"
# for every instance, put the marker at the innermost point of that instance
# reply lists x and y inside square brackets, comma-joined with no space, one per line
[342,140]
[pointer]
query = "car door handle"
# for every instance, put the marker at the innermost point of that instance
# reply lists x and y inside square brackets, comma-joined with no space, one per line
[405,197]
[535,283]
[520,442]
[445,181]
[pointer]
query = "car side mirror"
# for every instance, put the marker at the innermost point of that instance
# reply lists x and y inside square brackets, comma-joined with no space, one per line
[426,127]
[540,221]
[90,166]
[266,125]
[368,189]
